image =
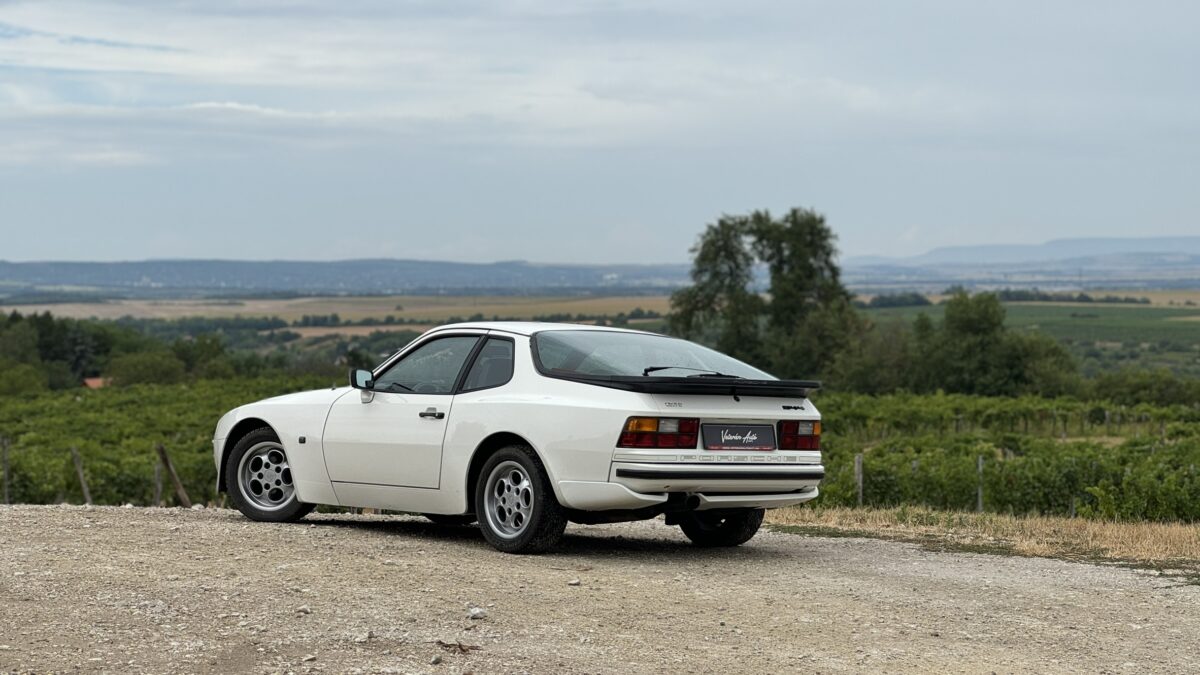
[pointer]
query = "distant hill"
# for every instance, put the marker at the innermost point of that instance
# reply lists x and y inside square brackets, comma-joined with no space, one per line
[1166,262]
[1153,262]
[1058,249]
[228,277]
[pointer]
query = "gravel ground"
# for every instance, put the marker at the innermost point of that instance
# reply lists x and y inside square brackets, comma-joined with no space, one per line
[169,590]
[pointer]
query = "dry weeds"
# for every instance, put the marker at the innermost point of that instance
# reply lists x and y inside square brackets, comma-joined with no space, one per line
[1175,545]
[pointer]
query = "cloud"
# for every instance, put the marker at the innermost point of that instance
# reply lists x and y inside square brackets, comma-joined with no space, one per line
[627,111]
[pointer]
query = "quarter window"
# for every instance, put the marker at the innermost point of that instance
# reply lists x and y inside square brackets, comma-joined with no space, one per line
[493,367]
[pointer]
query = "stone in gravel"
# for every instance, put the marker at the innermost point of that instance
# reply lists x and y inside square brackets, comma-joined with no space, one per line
[197,507]
[365,637]
[574,582]
[437,658]
[476,613]
[304,609]
[310,658]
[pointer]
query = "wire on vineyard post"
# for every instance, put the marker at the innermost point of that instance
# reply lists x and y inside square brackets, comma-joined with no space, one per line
[182,494]
[858,476]
[87,494]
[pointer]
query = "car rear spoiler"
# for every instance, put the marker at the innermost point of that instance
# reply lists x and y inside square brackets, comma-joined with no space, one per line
[700,385]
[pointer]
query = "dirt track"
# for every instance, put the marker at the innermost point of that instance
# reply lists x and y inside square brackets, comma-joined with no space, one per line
[162,590]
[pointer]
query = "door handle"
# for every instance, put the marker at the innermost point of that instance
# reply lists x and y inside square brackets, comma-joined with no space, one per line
[432,413]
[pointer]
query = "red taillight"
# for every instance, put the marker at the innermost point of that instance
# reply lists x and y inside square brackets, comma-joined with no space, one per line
[659,432]
[797,435]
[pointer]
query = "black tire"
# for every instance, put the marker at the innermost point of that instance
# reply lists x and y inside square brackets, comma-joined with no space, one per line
[542,520]
[728,528]
[450,520]
[288,510]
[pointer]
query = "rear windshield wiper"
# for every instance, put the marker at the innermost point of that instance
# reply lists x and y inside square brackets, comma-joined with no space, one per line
[701,372]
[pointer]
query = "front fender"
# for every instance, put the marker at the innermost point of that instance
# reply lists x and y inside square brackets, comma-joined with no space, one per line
[299,422]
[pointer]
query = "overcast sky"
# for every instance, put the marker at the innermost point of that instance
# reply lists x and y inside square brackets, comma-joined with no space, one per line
[563,131]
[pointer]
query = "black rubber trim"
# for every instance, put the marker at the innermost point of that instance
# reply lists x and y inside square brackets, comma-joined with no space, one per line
[685,474]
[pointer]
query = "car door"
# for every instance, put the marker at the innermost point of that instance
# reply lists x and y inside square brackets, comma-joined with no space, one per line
[392,434]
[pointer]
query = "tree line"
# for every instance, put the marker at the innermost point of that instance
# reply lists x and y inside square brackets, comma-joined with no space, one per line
[804,324]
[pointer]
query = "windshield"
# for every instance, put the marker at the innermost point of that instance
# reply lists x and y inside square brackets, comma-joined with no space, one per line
[603,353]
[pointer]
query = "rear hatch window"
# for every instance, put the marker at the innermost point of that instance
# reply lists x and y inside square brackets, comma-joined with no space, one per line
[596,353]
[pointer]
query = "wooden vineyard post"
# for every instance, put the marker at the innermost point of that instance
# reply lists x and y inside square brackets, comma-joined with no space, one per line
[4,461]
[87,494]
[858,476]
[179,491]
[979,492]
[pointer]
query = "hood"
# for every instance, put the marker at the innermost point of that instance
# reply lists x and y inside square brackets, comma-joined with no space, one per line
[314,397]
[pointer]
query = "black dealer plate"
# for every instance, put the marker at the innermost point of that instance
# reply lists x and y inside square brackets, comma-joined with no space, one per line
[738,436]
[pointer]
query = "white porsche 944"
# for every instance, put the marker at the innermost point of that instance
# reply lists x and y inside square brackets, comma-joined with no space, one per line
[526,426]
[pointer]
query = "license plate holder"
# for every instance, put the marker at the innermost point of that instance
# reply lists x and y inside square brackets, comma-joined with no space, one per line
[760,437]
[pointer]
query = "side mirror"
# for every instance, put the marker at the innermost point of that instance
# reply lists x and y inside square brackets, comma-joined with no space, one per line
[361,379]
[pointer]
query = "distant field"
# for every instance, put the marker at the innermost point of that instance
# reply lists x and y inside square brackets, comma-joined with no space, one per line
[427,309]
[1160,298]
[1171,298]
[1084,322]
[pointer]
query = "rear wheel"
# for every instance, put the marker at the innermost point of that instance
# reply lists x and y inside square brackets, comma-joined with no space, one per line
[515,503]
[258,478]
[727,528]
[443,519]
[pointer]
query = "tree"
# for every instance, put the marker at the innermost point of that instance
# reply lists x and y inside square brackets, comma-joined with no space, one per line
[720,303]
[197,351]
[805,320]
[19,343]
[878,360]
[20,378]
[972,352]
[161,367]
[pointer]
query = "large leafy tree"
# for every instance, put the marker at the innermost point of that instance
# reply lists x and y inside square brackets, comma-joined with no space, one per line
[721,306]
[805,318]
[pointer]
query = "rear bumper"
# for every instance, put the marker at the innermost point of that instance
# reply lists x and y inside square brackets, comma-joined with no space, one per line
[716,478]
[720,486]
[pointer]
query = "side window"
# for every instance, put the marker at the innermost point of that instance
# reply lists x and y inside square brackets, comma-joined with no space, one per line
[493,367]
[432,368]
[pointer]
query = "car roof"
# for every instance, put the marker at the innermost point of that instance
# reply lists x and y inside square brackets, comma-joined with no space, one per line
[530,327]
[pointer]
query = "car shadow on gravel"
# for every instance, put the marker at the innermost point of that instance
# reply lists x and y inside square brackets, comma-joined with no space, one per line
[598,542]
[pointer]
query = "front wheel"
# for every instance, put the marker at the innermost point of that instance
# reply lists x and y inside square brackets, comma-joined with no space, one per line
[515,503]
[258,478]
[729,528]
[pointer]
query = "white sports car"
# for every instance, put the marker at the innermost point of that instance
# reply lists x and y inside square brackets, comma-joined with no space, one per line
[525,426]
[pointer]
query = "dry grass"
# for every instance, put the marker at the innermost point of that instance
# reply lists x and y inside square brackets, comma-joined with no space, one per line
[1173,545]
